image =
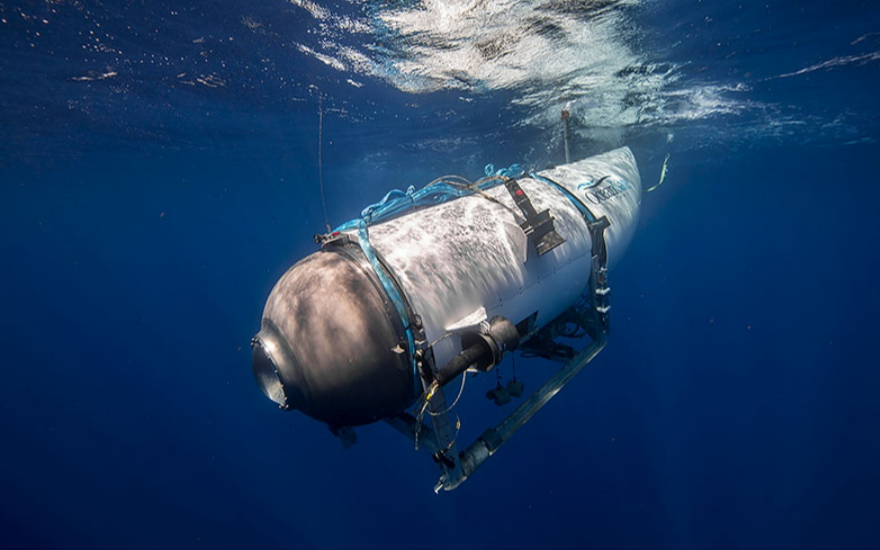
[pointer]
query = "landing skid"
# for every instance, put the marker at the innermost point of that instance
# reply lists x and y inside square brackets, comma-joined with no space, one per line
[467,462]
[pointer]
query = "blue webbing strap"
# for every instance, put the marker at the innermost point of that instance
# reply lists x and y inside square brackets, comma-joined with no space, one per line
[393,294]
[580,206]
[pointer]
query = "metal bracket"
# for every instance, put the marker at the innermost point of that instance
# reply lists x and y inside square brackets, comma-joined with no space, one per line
[538,226]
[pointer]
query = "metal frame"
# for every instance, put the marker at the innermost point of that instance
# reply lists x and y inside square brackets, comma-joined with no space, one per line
[440,440]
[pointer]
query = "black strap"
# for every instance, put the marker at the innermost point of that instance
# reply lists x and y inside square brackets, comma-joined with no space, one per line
[597,235]
[538,227]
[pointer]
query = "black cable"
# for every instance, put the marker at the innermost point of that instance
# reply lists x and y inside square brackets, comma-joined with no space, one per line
[320,160]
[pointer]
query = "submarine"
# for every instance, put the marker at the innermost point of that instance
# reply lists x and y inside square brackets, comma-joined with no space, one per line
[430,284]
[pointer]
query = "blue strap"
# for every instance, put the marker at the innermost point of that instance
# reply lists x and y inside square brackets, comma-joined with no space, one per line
[580,206]
[390,289]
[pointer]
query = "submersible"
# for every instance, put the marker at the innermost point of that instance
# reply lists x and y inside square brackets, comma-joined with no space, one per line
[451,278]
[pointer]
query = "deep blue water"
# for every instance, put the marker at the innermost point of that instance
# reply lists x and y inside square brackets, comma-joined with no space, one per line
[159,172]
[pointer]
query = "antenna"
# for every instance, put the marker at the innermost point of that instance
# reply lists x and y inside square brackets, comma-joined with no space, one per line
[565,119]
[320,160]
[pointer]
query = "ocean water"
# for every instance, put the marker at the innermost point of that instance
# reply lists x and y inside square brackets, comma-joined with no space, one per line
[159,172]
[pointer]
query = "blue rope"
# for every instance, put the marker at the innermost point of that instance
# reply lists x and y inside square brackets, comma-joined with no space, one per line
[514,171]
[397,202]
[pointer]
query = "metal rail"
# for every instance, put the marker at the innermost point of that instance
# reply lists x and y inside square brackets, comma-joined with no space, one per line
[489,442]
